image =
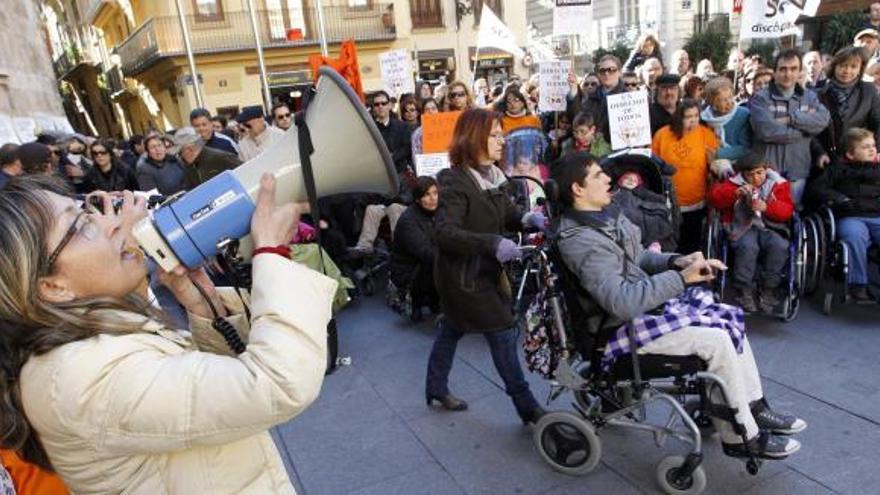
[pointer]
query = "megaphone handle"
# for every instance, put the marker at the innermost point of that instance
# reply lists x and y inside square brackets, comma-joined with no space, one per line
[306,148]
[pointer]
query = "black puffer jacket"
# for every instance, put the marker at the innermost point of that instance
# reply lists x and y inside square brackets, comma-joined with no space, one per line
[470,222]
[863,110]
[120,178]
[851,188]
[414,245]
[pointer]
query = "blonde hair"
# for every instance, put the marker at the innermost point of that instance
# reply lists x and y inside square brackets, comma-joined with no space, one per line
[714,87]
[855,135]
[31,326]
[467,91]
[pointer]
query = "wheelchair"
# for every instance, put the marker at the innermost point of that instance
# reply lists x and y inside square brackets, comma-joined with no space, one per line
[569,356]
[832,257]
[803,258]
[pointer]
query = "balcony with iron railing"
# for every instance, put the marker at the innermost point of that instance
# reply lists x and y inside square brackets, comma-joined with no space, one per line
[627,34]
[161,36]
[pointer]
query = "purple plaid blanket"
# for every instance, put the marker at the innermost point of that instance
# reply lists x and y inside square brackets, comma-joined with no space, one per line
[695,307]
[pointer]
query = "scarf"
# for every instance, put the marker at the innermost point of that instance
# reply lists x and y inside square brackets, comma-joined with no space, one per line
[488,176]
[717,123]
[841,94]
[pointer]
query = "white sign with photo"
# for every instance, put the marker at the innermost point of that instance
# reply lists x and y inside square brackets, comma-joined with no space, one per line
[397,72]
[572,17]
[774,18]
[553,85]
[629,120]
[431,164]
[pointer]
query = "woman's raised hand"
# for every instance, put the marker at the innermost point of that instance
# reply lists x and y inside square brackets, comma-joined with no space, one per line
[273,225]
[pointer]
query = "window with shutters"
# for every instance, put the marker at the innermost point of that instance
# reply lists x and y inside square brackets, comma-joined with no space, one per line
[495,5]
[425,13]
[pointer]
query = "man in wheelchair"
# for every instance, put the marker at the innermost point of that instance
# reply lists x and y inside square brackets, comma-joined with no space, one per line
[628,283]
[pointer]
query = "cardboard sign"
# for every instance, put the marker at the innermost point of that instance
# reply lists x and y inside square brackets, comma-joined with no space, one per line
[437,130]
[629,120]
[774,18]
[553,85]
[397,72]
[572,17]
[431,164]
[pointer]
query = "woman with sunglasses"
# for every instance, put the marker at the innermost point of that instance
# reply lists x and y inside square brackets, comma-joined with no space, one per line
[458,97]
[515,107]
[96,387]
[409,110]
[474,213]
[109,173]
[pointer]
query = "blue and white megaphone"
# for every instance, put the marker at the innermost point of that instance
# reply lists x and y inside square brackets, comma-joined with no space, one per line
[349,156]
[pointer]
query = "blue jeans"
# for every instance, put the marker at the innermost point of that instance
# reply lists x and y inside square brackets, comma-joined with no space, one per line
[859,233]
[759,246]
[502,344]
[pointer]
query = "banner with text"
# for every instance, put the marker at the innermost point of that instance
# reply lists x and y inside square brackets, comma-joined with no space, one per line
[397,72]
[774,18]
[572,17]
[437,130]
[431,164]
[629,120]
[553,85]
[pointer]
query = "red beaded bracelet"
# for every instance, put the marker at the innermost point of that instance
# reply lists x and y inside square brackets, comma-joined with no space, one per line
[279,250]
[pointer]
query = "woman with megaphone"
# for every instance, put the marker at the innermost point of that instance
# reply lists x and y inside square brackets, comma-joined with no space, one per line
[96,387]
[475,212]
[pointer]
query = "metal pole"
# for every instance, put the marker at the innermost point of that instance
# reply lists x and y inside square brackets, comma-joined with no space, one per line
[322,35]
[187,44]
[264,81]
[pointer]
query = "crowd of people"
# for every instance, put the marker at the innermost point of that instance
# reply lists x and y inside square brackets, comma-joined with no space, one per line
[756,142]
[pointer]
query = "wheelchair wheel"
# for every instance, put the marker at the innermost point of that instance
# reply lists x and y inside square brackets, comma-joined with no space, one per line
[667,471]
[790,308]
[568,443]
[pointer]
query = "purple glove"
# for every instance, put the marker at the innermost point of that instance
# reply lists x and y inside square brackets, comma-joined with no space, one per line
[535,220]
[507,250]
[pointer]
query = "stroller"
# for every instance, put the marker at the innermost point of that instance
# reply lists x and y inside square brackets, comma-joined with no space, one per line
[644,191]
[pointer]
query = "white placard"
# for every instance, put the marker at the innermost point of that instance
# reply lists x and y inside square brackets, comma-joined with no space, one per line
[629,120]
[553,85]
[25,128]
[431,164]
[397,72]
[773,19]
[572,17]
[7,131]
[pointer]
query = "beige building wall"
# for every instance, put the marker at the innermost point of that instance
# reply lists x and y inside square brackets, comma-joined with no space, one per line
[27,82]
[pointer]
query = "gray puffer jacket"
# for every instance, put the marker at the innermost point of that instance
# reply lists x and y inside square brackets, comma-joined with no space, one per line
[787,145]
[624,279]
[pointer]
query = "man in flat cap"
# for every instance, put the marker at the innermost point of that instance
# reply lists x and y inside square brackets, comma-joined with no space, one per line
[666,97]
[200,162]
[259,133]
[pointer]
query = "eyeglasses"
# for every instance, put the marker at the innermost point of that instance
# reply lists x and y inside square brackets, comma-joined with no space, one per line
[380,103]
[246,125]
[409,109]
[497,137]
[87,227]
[457,94]
[632,85]
[591,84]
[607,70]
[100,152]
[282,116]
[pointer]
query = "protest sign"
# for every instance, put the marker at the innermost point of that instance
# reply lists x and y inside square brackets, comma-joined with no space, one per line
[25,128]
[397,72]
[553,85]
[431,164]
[437,131]
[572,17]
[629,120]
[774,18]
[496,34]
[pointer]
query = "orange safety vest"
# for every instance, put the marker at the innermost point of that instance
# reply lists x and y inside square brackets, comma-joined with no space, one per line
[30,479]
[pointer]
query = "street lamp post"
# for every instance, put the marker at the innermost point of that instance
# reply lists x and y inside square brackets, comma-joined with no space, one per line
[187,44]
[264,80]
[321,33]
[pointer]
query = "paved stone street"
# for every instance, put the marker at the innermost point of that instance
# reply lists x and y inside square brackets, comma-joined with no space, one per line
[370,432]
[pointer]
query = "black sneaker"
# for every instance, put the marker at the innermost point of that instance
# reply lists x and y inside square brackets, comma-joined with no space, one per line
[746,300]
[775,422]
[769,299]
[765,445]
[861,295]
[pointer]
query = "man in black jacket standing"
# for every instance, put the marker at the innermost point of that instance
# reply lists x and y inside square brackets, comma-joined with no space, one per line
[395,133]
[200,162]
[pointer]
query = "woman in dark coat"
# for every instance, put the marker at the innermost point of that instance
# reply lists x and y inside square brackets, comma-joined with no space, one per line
[412,255]
[109,173]
[474,213]
[851,102]
[160,170]
[647,47]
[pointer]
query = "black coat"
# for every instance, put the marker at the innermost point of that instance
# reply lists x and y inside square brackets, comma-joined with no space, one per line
[120,178]
[596,105]
[660,118]
[863,111]
[637,59]
[398,138]
[852,189]
[414,245]
[209,163]
[470,223]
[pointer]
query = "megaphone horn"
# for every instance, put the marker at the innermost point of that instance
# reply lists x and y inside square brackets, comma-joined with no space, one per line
[349,156]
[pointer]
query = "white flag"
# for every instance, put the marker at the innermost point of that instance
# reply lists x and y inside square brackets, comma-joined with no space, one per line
[494,33]
[774,18]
